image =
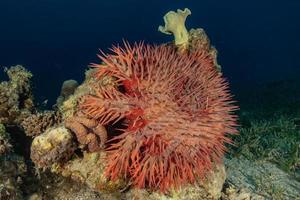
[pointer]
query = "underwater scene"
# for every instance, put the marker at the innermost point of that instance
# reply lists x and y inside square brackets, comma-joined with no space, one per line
[149,100]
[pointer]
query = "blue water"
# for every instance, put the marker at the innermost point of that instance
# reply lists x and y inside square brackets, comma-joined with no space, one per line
[258,40]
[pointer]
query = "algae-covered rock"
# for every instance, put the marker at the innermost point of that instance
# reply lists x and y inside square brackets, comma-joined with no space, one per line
[89,170]
[55,145]
[209,189]
[54,187]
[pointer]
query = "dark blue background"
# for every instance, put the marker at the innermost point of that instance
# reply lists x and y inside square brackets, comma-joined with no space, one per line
[258,40]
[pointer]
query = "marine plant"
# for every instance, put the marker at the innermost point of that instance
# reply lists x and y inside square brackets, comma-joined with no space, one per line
[276,140]
[176,109]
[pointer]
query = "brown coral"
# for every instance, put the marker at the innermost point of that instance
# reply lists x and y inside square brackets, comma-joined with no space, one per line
[88,132]
[177,111]
[38,123]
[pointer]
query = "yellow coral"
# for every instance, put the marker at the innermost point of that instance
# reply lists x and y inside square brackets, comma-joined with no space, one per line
[175,24]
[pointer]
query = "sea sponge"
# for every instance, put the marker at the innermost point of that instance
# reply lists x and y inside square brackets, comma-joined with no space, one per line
[55,145]
[175,24]
[88,132]
[176,109]
[38,123]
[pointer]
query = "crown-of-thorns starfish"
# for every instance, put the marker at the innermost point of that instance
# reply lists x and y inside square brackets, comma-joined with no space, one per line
[177,110]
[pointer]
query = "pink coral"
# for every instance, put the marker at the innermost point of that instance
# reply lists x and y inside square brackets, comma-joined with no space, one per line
[177,110]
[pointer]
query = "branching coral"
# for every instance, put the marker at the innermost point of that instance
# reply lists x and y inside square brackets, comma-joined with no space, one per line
[15,95]
[177,110]
[38,123]
[88,132]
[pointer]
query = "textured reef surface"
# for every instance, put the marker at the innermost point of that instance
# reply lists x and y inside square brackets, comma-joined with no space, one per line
[149,122]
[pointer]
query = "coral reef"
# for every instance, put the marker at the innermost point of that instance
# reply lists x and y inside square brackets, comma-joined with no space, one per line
[90,170]
[88,132]
[55,145]
[176,110]
[16,99]
[67,89]
[12,171]
[59,188]
[38,123]
[5,145]
[175,24]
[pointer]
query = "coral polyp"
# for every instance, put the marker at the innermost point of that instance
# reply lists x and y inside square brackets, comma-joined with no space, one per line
[177,112]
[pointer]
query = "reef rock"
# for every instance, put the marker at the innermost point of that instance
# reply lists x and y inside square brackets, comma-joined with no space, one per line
[88,170]
[210,189]
[55,145]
